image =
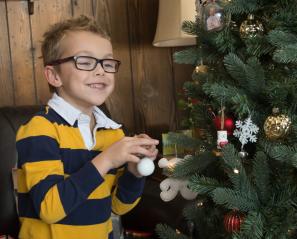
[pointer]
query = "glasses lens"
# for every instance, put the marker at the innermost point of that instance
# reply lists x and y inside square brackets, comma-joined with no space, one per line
[85,63]
[110,65]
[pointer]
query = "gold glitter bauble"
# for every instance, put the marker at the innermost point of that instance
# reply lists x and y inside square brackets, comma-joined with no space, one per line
[251,28]
[201,69]
[277,126]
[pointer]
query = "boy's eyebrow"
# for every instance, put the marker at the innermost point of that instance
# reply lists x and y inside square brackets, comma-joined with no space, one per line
[108,55]
[90,53]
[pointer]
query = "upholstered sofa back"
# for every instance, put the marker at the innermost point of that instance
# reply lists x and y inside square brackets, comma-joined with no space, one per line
[10,120]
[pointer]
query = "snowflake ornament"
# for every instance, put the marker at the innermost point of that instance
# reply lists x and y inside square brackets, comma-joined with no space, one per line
[246,131]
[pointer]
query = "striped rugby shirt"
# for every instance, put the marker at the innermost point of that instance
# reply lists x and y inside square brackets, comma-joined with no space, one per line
[61,195]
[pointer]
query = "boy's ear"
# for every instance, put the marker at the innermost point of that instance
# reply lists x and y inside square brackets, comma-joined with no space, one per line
[52,76]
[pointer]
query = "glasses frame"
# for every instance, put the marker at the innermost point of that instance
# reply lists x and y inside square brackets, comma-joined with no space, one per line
[74,58]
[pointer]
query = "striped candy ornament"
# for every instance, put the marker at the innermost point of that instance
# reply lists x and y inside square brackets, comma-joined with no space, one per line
[232,221]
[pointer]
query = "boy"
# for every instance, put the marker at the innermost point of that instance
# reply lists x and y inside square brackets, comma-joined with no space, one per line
[74,164]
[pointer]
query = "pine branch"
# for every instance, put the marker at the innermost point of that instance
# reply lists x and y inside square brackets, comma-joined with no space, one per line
[165,232]
[235,67]
[190,27]
[219,91]
[242,6]
[231,158]
[233,97]
[258,47]
[239,178]
[193,164]
[285,153]
[287,54]
[189,56]
[261,174]
[232,199]
[280,38]
[252,226]
[203,185]
[225,41]
[249,76]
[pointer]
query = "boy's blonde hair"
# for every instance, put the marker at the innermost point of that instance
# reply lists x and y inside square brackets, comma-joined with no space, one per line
[50,47]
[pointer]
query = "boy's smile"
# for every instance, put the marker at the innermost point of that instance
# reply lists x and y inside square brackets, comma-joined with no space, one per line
[81,88]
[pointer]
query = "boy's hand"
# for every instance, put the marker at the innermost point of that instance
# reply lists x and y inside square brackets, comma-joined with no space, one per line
[125,150]
[132,167]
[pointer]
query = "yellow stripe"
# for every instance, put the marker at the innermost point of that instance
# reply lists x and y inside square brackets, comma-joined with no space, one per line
[66,136]
[36,229]
[104,189]
[86,232]
[104,138]
[51,209]
[37,126]
[37,171]
[70,137]
[120,208]
[21,182]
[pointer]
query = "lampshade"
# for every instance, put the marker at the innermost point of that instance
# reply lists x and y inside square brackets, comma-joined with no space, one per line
[171,15]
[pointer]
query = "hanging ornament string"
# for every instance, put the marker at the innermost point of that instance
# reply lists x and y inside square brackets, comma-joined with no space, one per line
[222,112]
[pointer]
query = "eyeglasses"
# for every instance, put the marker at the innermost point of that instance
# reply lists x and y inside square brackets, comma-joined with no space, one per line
[89,63]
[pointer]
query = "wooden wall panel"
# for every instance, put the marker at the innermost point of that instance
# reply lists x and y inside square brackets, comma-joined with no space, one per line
[6,79]
[21,54]
[82,7]
[43,13]
[151,70]
[112,14]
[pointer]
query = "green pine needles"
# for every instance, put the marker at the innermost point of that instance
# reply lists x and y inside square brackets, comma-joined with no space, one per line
[249,77]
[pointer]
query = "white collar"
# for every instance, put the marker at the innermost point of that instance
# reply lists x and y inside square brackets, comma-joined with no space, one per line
[71,114]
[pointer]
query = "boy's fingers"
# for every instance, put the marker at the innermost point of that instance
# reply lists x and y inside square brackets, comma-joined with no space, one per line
[144,141]
[143,136]
[132,158]
[138,150]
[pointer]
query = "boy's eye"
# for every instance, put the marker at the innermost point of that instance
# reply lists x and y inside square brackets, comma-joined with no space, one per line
[85,62]
[109,64]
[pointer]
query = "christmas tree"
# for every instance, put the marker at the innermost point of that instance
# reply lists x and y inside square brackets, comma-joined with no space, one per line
[242,106]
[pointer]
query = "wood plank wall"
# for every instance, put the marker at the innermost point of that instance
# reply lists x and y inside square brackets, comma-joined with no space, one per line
[144,99]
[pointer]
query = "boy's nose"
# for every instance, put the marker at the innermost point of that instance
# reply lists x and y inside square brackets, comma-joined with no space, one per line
[99,69]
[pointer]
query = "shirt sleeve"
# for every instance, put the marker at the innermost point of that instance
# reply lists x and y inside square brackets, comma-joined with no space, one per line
[42,183]
[127,193]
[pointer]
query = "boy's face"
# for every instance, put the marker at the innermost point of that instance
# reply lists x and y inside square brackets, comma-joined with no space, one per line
[84,89]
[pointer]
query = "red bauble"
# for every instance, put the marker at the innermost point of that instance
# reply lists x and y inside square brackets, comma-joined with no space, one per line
[195,101]
[229,125]
[233,221]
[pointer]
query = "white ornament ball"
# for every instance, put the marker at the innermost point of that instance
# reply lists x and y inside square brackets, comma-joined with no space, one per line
[146,166]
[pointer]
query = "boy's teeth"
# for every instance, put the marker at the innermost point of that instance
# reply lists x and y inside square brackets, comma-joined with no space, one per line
[97,86]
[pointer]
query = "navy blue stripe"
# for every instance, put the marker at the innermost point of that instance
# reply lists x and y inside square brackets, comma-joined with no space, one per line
[129,187]
[93,211]
[25,206]
[37,148]
[76,188]
[40,189]
[110,235]
[74,159]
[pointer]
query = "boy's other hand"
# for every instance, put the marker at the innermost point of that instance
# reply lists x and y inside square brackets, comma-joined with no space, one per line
[128,149]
